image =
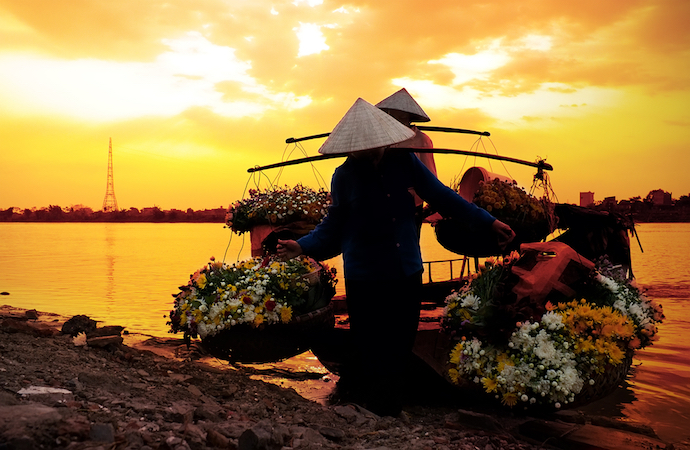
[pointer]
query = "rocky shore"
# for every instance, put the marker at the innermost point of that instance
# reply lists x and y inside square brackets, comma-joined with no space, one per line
[94,391]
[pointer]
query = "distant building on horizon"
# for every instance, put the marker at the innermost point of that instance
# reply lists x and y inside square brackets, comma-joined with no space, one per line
[660,197]
[586,199]
[609,202]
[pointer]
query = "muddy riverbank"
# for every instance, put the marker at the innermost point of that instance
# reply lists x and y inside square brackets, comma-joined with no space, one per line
[58,393]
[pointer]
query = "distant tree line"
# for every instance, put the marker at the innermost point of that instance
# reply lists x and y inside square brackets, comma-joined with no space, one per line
[657,206]
[80,213]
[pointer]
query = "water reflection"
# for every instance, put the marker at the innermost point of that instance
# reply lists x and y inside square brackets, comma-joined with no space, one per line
[125,274]
[109,263]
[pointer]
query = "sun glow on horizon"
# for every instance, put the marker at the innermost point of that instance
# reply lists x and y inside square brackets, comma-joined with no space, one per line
[204,92]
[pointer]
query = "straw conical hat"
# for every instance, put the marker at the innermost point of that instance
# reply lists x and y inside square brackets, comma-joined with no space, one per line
[364,127]
[403,101]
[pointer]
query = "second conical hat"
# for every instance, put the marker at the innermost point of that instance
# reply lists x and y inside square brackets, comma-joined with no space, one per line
[364,127]
[403,101]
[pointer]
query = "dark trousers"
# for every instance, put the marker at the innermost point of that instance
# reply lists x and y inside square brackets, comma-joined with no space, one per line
[384,315]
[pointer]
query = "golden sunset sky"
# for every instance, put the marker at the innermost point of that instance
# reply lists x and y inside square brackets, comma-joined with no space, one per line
[194,92]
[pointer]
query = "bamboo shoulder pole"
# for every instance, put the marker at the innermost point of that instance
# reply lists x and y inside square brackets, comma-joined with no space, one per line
[539,164]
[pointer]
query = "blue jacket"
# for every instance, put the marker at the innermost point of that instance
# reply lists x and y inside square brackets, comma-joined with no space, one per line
[372,218]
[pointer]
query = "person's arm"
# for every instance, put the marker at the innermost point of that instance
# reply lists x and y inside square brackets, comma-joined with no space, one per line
[323,242]
[451,205]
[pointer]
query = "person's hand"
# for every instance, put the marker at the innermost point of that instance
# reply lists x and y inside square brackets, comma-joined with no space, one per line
[504,232]
[288,249]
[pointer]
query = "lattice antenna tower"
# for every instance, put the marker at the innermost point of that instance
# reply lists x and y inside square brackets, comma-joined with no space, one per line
[110,202]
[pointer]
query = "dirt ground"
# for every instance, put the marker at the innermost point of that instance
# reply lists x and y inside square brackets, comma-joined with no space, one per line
[110,395]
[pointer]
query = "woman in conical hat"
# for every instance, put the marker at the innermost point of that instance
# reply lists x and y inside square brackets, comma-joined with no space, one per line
[371,222]
[364,127]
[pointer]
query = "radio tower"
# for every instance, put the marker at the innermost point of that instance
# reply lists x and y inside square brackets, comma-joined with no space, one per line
[109,202]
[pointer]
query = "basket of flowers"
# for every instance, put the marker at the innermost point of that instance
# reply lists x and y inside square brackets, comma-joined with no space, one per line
[295,210]
[527,215]
[543,351]
[258,310]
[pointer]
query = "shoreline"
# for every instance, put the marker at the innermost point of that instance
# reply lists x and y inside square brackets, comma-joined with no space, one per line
[156,394]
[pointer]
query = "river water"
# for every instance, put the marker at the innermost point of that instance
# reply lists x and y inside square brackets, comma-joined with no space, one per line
[125,274]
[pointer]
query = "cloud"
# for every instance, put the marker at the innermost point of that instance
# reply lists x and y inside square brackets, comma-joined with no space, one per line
[311,39]
[471,67]
[185,76]
[546,101]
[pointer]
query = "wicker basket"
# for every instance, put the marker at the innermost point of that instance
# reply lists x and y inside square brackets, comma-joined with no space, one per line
[458,237]
[270,343]
[604,383]
[313,277]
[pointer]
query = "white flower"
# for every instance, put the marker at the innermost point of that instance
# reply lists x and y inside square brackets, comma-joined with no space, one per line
[607,282]
[552,320]
[470,301]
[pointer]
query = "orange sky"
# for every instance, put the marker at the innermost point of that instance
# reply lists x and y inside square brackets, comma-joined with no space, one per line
[194,92]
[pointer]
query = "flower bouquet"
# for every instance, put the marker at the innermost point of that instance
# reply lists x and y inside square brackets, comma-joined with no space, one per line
[548,353]
[294,211]
[257,310]
[277,206]
[526,215]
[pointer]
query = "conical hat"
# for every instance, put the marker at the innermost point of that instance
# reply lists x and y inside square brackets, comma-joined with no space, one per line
[364,127]
[403,101]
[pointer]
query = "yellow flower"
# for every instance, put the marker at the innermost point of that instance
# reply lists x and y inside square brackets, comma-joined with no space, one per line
[509,398]
[490,384]
[286,314]
[455,354]
[502,361]
[454,375]
[616,354]
[464,314]
[201,280]
[258,320]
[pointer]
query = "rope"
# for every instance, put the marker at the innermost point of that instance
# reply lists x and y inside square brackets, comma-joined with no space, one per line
[258,175]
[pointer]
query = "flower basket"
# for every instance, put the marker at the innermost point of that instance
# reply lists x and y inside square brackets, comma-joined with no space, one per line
[276,207]
[606,382]
[271,343]
[313,277]
[530,218]
[257,234]
[546,342]
[601,385]
[458,237]
[258,310]
[264,238]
